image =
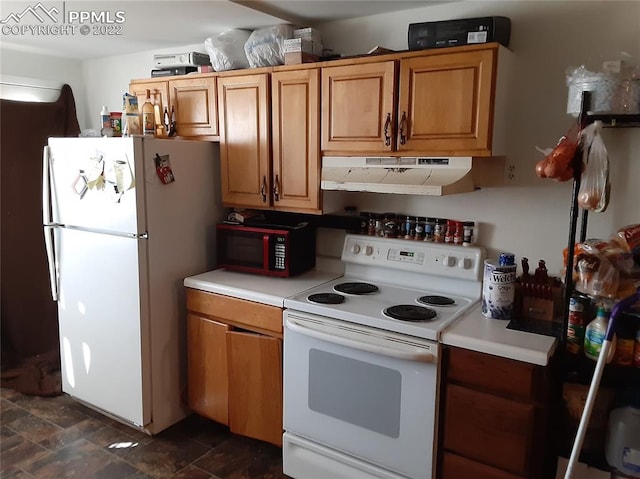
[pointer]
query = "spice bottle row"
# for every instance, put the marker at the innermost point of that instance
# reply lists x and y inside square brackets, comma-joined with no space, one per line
[417,228]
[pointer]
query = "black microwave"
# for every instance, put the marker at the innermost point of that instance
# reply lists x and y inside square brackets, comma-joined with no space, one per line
[271,250]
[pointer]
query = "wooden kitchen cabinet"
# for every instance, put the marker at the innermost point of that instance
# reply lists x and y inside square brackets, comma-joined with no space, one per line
[358,107]
[245,140]
[269,140]
[235,363]
[434,102]
[194,99]
[495,419]
[296,140]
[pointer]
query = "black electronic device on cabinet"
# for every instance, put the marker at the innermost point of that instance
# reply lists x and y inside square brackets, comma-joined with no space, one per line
[452,33]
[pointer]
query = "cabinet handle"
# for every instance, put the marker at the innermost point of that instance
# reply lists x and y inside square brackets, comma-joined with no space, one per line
[387,124]
[263,190]
[276,189]
[403,128]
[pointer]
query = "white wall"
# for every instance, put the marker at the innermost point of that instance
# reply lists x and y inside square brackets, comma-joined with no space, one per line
[36,69]
[529,216]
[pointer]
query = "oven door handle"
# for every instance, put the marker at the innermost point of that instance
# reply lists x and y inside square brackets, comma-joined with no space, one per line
[408,354]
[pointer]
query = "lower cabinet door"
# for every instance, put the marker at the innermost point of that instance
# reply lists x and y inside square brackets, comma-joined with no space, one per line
[207,365]
[457,467]
[255,386]
[490,429]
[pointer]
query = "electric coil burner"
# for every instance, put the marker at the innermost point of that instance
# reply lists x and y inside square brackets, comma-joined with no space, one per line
[436,300]
[356,287]
[326,298]
[431,283]
[410,312]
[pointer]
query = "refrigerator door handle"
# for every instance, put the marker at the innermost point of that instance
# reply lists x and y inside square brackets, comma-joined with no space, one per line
[46,188]
[51,261]
[46,221]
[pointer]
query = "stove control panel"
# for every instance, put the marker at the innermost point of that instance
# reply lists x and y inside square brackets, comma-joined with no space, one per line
[439,259]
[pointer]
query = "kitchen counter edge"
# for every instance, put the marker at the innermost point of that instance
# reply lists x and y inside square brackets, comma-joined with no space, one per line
[263,289]
[485,335]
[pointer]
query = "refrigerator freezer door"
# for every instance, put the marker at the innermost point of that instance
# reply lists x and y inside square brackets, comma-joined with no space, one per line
[103,315]
[96,184]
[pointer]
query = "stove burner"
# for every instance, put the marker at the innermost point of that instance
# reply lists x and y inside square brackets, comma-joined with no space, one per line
[326,298]
[356,288]
[436,300]
[410,312]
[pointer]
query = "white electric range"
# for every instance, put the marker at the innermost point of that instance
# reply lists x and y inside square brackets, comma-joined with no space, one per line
[362,358]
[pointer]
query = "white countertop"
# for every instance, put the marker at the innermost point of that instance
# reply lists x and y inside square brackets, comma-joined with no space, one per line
[264,289]
[478,333]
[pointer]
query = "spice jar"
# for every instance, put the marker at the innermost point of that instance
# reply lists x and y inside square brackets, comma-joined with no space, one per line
[458,233]
[430,225]
[449,230]
[420,228]
[371,224]
[467,233]
[379,225]
[439,230]
[409,227]
[390,225]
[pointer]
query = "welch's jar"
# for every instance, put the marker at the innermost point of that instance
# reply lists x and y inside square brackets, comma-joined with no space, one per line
[499,287]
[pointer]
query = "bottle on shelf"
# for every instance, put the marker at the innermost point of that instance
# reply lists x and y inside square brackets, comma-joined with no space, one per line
[595,334]
[105,118]
[148,116]
[157,113]
[578,304]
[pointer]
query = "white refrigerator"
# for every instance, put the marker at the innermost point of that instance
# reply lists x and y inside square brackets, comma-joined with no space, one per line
[125,221]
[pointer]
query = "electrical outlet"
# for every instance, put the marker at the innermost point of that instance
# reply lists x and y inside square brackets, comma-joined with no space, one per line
[511,172]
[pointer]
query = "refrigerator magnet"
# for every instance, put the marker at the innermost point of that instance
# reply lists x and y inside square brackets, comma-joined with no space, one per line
[163,169]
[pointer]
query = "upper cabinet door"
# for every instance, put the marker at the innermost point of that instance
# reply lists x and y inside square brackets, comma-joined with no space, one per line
[195,103]
[358,112]
[245,147]
[139,89]
[446,103]
[296,140]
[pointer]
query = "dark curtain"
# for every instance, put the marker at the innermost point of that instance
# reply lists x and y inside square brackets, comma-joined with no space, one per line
[29,321]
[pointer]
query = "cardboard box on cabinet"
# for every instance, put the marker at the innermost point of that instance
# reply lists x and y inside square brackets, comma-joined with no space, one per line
[298,50]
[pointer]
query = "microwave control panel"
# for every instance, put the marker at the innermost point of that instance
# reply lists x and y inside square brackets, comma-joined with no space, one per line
[280,253]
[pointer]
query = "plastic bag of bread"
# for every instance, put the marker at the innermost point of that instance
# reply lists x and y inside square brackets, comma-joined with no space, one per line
[593,272]
[628,237]
[595,187]
[602,268]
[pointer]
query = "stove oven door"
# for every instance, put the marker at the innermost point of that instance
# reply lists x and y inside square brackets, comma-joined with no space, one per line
[359,398]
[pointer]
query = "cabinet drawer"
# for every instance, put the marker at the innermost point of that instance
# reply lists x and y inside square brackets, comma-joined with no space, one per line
[490,429]
[237,312]
[457,467]
[494,374]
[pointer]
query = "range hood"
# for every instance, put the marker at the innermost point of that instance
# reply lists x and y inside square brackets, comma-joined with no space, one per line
[434,176]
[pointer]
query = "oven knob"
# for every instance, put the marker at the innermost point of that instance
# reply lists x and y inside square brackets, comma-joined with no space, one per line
[449,261]
[355,249]
[465,263]
[368,250]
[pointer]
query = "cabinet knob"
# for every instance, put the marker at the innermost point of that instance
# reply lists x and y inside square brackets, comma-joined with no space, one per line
[263,189]
[387,125]
[403,128]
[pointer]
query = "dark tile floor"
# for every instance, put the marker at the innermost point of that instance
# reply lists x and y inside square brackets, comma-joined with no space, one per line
[56,437]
